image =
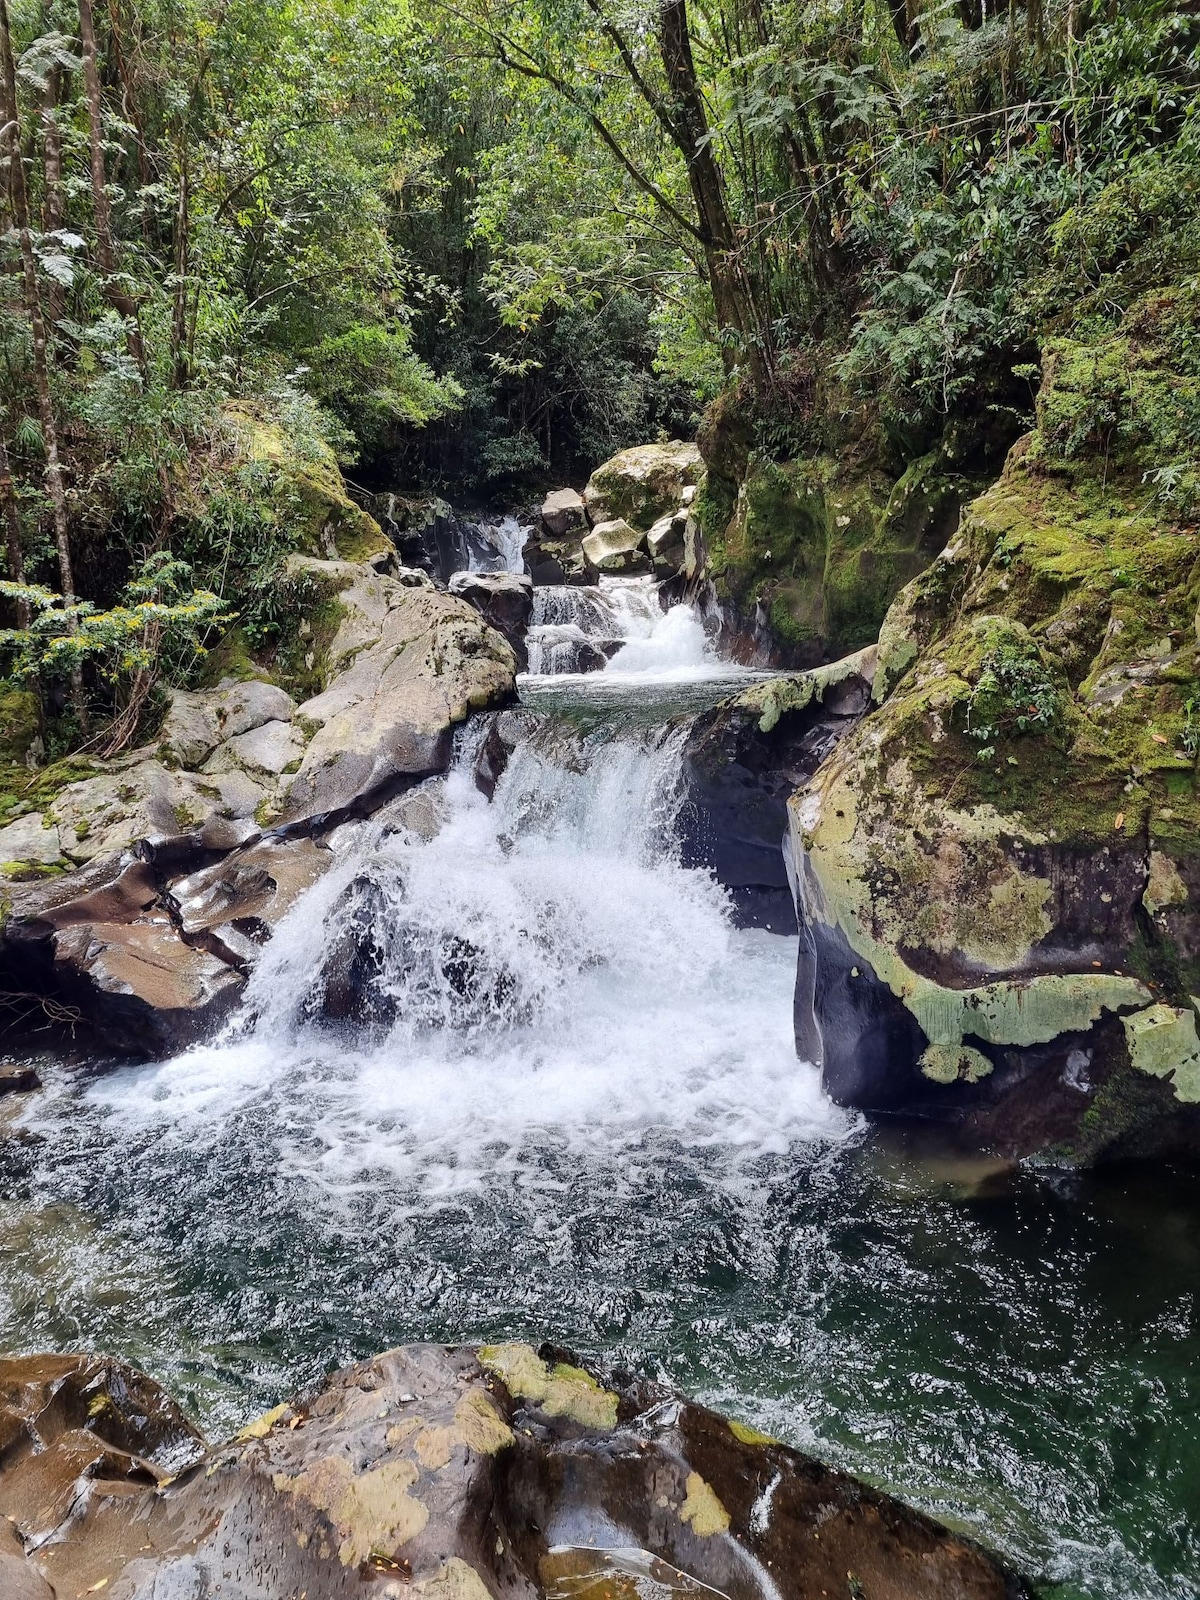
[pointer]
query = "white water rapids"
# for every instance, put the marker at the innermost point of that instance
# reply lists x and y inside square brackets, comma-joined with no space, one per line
[551,977]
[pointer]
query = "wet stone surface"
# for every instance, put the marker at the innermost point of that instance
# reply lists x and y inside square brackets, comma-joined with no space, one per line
[450,1474]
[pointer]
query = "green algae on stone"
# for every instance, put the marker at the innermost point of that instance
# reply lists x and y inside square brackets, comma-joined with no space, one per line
[776,697]
[1162,1042]
[745,1434]
[954,1063]
[559,1391]
[702,1509]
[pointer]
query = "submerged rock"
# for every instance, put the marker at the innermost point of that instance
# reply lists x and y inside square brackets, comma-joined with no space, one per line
[447,1474]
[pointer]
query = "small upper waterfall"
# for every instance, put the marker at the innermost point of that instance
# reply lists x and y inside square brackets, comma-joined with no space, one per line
[495,544]
[618,623]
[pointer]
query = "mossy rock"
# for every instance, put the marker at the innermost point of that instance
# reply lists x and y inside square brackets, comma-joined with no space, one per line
[823,549]
[309,493]
[641,484]
[1001,864]
[23,790]
[18,725]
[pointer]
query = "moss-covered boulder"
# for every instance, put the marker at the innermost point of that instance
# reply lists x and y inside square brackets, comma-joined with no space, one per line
[19,720]
[642,484]
[1000,867]
[807,555]
[307,491]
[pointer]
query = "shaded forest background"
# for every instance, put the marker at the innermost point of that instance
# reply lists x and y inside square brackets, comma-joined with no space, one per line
[475,247]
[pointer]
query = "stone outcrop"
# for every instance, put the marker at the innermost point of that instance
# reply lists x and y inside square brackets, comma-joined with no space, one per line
[140,894]
[563,512]
[999,871]
[642,484]
[409,664]
[445,1474]
[503,599]
[806,556]
[742,762]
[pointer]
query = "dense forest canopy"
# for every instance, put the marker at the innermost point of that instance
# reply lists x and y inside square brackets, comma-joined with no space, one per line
[473,246]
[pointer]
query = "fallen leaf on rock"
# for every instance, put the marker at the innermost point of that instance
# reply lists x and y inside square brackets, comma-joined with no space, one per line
[1120,822]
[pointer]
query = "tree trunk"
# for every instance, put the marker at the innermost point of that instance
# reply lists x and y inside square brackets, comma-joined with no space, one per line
[12,531]
[180,344]
[55,486]
[119,298]
[689,128]
[53,207]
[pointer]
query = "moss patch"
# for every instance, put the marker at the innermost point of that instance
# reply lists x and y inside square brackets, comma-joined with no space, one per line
[559,1391]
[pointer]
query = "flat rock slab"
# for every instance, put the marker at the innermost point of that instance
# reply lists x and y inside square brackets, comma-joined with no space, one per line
[445,1474]
[30,838]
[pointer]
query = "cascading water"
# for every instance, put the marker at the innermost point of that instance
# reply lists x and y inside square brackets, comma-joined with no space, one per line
[524,1078]
[619,622]
[496,544]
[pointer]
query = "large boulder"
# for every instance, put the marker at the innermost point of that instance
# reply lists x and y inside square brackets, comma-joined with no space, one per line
[107,961]
[563,512]
[141,798]
[445,1474]
[999,870]
[197,721]
[503,599]
[307,495]
[742,762]
[615,547]
[409,664]
[642,484]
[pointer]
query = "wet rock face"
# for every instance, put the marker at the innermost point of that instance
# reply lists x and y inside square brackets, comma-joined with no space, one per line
[997,873]
[181,875]
[743,761]
[503,599]
[447,1474]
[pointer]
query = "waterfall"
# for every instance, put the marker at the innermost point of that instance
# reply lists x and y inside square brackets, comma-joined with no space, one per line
[495,545]
[618,623]
[539,981]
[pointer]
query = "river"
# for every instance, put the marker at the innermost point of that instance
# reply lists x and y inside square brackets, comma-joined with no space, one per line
[568,1107]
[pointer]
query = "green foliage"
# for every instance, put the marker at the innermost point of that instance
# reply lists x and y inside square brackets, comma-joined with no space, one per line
[161,611]
[1015,693]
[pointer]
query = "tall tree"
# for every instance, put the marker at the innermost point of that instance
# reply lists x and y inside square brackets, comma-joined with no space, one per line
[118,295]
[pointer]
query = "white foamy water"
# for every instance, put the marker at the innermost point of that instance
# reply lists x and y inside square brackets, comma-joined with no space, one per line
[497,545]
[550,979]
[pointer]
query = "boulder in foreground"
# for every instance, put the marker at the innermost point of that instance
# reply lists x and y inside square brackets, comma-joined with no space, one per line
[444,1474]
